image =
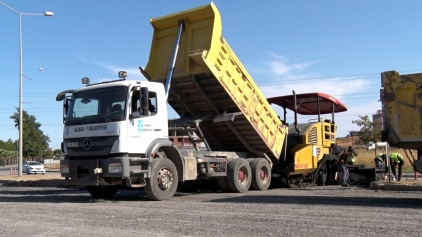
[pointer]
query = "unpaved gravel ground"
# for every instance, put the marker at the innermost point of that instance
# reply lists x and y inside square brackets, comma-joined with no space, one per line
[310,211]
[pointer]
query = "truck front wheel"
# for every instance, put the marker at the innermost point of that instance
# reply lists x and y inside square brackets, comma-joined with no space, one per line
[238,175]
[163,182]
[102,192]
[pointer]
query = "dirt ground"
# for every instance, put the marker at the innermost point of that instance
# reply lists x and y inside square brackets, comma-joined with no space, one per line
[26,177]
[32,180]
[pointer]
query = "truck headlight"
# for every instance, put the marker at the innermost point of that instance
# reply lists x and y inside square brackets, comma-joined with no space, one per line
[64,169]
[115,168]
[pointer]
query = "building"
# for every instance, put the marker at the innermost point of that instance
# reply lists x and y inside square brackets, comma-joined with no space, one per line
[378,117]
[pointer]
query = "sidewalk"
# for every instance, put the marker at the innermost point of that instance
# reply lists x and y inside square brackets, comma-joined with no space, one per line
[408,183]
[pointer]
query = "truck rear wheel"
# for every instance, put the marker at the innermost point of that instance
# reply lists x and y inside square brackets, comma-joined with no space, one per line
[102,192]
[238,175]
[249,160]
[261,174]
[163,182]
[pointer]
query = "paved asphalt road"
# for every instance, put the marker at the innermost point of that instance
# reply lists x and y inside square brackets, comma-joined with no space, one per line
[310,211]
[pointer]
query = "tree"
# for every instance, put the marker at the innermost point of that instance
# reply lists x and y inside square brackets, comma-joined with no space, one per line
[57,153]
[35,142]
[9,145]
[8,152]
[369,131]
[48,153]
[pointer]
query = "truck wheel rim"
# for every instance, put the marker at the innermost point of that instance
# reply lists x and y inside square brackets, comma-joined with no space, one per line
[242,175]
[165,179]
[263,175]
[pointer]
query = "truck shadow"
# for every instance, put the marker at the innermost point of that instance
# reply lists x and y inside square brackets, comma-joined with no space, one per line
[387,202]
[71,195]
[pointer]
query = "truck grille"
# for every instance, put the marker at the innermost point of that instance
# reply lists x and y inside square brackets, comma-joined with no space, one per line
[100,146]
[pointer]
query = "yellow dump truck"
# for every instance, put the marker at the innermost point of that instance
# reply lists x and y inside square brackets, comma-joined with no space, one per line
[116,133]
[207,82]
[401,97]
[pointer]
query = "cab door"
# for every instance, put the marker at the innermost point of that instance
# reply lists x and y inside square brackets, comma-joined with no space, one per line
[143,130]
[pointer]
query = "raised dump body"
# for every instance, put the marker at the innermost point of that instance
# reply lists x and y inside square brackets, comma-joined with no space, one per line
[401,98]
[209,80]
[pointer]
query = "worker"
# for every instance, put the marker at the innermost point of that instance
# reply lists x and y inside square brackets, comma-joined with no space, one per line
[396,160]
[342,167]
[352,153]
[379,161]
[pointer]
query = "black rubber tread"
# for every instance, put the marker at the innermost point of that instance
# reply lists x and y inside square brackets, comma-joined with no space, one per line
[222,184]
[256,167]
[152,188]
[102,192]
[233,168]
[249,160]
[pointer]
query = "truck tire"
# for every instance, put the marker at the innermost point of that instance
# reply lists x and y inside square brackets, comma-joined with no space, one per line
[222,184]
[164,179]
[261,174]
[239,175]
[102,192]
[249,160]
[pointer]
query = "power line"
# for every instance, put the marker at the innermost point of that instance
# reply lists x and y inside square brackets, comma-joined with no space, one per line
[342,46]
[64,68]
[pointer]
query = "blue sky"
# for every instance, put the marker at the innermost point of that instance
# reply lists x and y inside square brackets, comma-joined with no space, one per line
[335,47]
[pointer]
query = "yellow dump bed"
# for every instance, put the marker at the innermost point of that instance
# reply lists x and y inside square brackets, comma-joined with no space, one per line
[209,79]
[401,98]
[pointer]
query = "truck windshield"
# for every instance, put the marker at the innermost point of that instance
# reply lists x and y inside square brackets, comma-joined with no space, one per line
[97,106]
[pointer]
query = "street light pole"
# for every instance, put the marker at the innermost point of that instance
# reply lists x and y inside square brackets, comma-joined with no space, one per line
[20,79]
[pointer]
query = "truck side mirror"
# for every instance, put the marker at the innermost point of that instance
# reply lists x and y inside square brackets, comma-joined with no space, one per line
[65,108]
[144,101]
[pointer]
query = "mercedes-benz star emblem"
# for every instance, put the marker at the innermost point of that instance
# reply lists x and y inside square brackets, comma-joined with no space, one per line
[87,143]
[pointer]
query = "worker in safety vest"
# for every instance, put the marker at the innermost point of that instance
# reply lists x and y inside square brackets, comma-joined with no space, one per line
[396,160]
[379,161]
[351,160]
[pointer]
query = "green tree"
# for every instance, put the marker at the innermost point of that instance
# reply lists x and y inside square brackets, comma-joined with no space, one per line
[369,131]
[7,156]
[35,142]
[48,153]
[57,153]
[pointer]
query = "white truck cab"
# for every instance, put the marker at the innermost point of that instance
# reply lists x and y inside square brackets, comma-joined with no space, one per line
[111,132]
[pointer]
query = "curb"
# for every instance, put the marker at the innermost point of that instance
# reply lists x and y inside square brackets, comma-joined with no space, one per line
[379,185]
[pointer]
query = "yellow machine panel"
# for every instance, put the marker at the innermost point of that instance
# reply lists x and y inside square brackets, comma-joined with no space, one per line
[209,79]
[401,97]
[311,149]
